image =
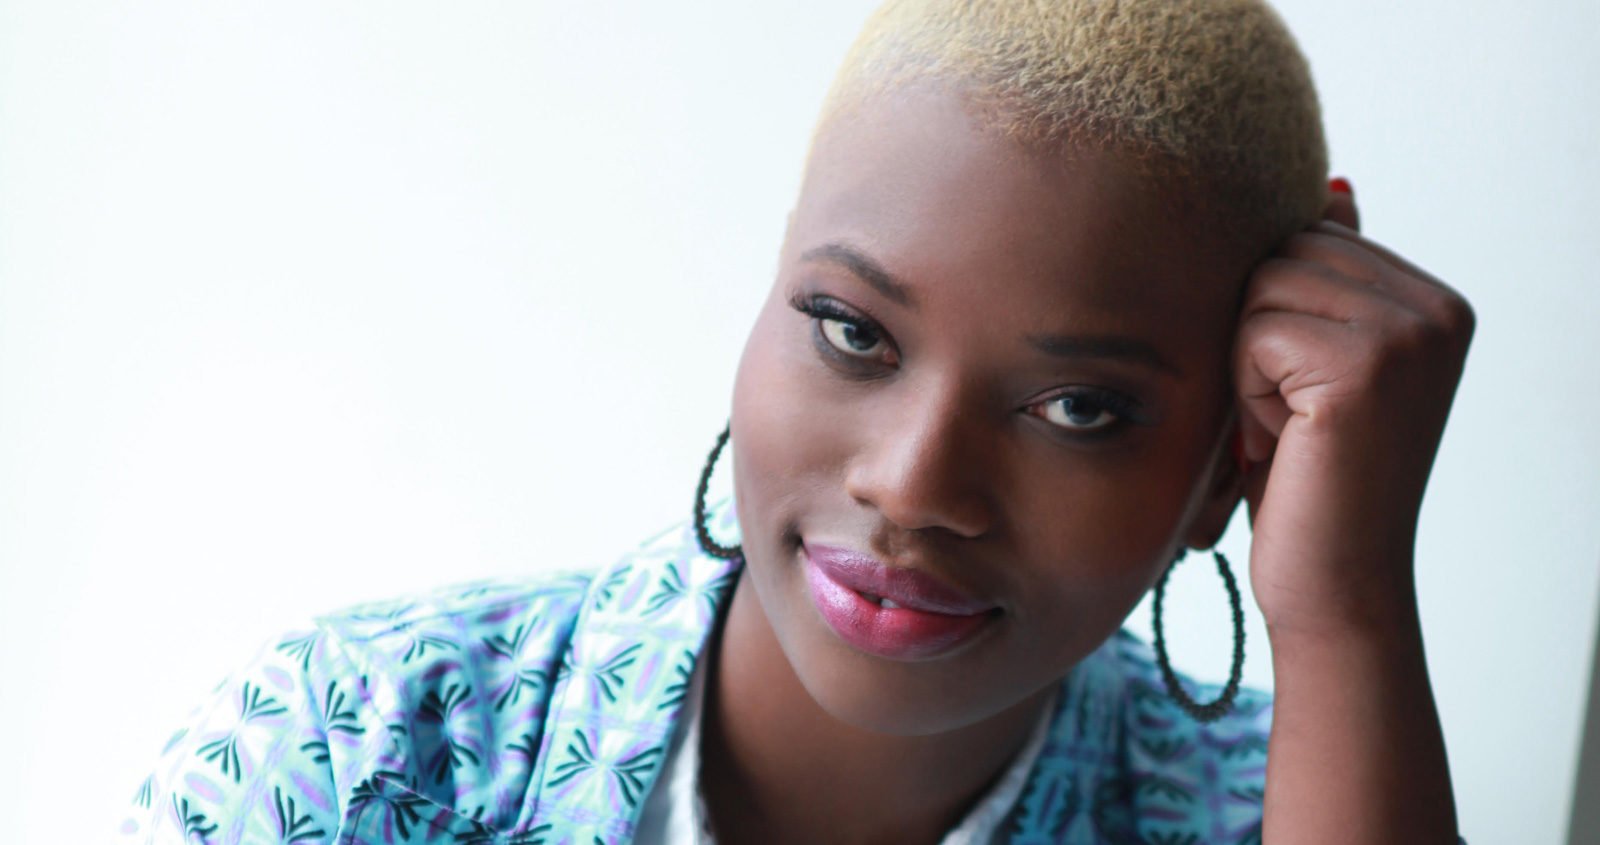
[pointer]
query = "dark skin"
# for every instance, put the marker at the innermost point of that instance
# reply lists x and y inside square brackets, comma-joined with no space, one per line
[1036,403]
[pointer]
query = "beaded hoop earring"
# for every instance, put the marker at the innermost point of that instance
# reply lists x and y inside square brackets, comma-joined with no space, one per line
[1212,710]
[1208,712]
[711,547]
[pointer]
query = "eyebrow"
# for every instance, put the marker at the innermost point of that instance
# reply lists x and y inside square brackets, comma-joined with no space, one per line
[1114,347]
[865,269]
[1110,346]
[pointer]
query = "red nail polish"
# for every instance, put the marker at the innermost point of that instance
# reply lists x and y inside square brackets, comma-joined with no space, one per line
[1341,184]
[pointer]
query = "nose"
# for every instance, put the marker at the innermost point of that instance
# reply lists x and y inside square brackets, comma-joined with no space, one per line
[924,467]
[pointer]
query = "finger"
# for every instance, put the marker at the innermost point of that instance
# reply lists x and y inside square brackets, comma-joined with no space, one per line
[1406,282]
[1257,438]
[1263,411]
[1339,230]
[1255,487]
[1280,360]
[1341,218]
[1347,229]
[1349,257]
[1311,287]
[1341,207]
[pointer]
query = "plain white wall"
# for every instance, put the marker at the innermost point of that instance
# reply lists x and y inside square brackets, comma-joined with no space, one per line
[304,304]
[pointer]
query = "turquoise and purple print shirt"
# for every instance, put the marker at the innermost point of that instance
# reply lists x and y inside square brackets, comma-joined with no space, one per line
[539,711]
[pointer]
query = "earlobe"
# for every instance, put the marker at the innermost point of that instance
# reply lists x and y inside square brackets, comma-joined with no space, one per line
[1208,528]
[1225,490]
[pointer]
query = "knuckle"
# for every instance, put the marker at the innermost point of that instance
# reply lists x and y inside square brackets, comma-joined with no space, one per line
[1409,332]
[1460,317]
[1272,270]
[1449,309]
[1300,245]
[1449,319]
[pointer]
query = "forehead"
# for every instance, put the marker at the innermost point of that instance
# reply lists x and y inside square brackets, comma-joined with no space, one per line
[915,180]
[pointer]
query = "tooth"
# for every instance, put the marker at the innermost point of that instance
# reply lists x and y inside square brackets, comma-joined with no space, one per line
[889,605]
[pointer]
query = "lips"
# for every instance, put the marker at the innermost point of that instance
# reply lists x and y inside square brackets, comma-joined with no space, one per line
[891,612]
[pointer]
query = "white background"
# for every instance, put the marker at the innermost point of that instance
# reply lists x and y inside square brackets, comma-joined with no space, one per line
[304,304]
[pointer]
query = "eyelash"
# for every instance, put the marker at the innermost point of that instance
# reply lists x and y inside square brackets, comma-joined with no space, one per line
[821,308]
[1124,408]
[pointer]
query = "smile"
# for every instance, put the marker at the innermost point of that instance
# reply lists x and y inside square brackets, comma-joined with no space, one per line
[891,612]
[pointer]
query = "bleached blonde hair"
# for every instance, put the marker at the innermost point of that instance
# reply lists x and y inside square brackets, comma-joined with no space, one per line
[1213,93]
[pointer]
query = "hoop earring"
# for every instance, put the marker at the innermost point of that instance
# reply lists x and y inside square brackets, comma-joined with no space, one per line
[711,547]
[1213,710]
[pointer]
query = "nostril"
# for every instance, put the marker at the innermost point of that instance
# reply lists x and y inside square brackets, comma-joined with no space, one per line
[923,480]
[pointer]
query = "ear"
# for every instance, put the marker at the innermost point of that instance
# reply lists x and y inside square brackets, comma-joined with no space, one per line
[1224,490]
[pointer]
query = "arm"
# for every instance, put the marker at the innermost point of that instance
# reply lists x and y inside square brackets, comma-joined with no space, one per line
[252,762]
[1347,362]
[1356,753]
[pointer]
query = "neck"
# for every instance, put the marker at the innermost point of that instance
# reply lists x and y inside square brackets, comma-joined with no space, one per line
[776,767]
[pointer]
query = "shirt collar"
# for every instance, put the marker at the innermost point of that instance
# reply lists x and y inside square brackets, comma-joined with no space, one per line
[628,668]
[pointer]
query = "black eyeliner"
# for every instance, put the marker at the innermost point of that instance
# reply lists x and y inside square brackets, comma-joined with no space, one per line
[823,307]
[819,308]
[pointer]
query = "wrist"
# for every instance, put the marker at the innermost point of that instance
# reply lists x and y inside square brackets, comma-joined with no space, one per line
[1355,726]
[1388,647]
[1376,606]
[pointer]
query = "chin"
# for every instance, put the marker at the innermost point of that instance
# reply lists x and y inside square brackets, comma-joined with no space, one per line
[900,700]
[918,697]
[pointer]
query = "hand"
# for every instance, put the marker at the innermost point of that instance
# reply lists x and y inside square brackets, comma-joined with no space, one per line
[1347,359]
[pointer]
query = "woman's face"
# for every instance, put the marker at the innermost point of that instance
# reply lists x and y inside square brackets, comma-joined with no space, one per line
[999,367]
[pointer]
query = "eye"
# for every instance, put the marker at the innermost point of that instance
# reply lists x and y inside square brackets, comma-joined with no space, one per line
[1085,410]
[852,338]
[845,336]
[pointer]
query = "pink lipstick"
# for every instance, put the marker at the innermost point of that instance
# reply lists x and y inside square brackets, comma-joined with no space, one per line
[892,612]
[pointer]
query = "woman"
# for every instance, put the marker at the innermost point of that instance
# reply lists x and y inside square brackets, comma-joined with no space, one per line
[1064,284]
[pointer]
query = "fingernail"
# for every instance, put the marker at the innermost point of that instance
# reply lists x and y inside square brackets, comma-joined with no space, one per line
[1342,185]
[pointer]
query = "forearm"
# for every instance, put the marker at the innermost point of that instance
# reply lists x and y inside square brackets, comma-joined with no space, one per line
[1356,753]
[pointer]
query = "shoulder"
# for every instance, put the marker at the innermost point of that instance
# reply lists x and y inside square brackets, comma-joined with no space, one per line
[527,705]
[1206,779]
[399,638]
[430,690]
[1125,763]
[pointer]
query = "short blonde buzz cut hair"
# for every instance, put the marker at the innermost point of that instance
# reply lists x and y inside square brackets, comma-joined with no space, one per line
[1214,94]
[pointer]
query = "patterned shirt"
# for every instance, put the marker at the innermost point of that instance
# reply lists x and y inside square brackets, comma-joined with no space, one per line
[540,711]
[675,812]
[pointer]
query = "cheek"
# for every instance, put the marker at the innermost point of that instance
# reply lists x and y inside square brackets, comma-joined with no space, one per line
[784,439]
[1105,523]
[1100,530]
[772,441]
